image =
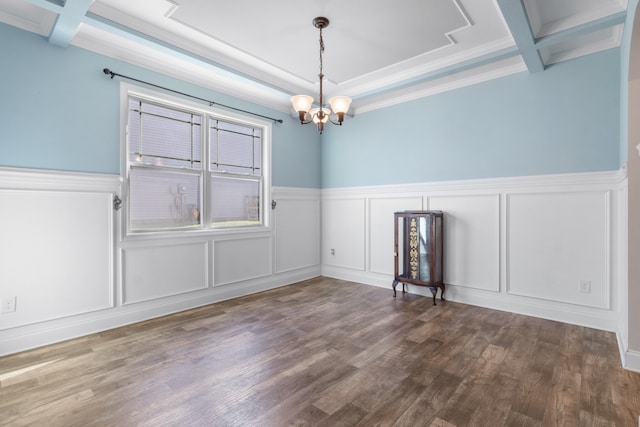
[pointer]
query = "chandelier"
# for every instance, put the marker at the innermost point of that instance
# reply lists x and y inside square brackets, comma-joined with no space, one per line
[320,115]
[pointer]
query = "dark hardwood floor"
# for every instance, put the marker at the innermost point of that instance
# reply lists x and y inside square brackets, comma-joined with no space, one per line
[326,352]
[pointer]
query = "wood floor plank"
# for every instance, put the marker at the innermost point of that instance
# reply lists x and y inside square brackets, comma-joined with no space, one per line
[563,403]
[431,401]
[517,419]
[326,352]
[396,403]
[496,409]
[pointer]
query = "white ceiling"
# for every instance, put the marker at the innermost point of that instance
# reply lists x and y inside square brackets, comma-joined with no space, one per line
[379,52]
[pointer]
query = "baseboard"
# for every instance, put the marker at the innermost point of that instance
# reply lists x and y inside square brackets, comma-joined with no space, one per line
[551,310]
[630,360]
[23,338]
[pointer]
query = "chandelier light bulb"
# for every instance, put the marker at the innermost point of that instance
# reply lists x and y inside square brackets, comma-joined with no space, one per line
[315,116]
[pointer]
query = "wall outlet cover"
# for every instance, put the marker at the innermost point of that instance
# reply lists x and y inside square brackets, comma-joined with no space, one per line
[585,286]
[8,305]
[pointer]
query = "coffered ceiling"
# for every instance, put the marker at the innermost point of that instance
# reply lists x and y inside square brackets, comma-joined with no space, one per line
[379,52]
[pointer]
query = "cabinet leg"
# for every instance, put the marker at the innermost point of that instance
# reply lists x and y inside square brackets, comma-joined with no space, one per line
[394,284]
[434,291]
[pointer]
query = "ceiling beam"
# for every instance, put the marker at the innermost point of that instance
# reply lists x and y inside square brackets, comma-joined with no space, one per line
[73,13]
[580,30]
[68,22]
[55,7]
[517,20]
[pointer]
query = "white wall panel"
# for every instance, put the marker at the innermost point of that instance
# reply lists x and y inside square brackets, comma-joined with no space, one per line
[521,244]
[343,231]
[241,259]
[381,212]
[472,239]
[57,229]
[557,240]
[158,271]
[297,241]
[60,258]
[56,254]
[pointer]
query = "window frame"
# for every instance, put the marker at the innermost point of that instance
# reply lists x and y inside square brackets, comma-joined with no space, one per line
[209,113]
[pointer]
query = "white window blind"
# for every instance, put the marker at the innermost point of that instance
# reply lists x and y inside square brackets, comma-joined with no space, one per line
[167,185]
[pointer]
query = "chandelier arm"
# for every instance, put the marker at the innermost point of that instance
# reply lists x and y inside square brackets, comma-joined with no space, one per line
[335,123]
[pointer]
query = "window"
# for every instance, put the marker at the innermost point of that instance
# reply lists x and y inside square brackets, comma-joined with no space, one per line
[190,168]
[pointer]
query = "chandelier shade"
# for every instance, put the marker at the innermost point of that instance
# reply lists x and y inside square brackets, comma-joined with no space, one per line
[320,115]
[302,103]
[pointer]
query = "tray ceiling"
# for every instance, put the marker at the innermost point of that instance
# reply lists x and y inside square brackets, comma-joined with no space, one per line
[379,52]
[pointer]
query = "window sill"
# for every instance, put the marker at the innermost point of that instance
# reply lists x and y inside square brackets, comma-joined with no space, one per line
[196,235]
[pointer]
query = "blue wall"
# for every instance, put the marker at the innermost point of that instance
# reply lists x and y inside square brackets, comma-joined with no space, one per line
[59,111]
[563,120]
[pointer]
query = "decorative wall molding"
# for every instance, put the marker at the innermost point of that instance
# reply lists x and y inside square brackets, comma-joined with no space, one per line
[35,179]
[583,227]
[599,191]
[165,275]
[555,182]
[343,232]
[380,216]
[56,254]
[373,200]
[297,224]
[240,260]
[30,336]
[158,271]
[480,214]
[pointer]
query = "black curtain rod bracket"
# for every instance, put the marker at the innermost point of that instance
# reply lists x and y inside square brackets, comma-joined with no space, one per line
[211,103]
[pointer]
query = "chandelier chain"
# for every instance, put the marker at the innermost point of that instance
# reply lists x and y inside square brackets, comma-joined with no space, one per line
[321,49]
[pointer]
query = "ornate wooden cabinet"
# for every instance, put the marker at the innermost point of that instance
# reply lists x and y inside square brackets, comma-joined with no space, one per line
[418,251]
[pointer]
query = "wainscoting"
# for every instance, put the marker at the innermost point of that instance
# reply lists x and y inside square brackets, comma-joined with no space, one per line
[547,246]
[64,257]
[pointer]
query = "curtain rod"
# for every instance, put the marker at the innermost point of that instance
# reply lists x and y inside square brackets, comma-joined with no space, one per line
[211,103]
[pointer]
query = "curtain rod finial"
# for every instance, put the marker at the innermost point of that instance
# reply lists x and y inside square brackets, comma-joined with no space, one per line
[108,71]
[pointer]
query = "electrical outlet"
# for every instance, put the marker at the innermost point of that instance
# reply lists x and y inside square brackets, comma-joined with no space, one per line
[8,305]
[585,286]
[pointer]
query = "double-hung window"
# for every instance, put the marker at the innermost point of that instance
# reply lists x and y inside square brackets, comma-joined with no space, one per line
[191,168]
